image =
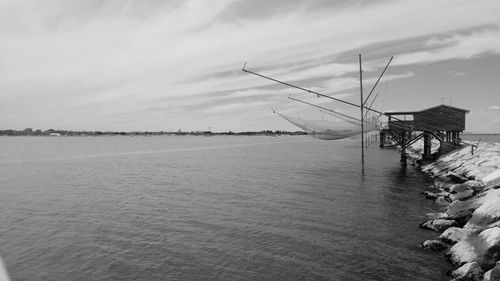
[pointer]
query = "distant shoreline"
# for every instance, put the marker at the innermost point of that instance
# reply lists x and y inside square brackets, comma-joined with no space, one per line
[65,133]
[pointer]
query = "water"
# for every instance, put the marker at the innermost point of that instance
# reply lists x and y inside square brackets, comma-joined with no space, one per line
[210,208]
[481,137]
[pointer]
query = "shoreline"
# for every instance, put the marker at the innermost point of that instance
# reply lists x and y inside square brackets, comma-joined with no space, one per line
[467,187]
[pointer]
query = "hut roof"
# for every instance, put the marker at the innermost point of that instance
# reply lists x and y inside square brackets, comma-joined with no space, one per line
[431,108]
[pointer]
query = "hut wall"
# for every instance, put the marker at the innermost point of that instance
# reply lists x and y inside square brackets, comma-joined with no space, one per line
[440,119]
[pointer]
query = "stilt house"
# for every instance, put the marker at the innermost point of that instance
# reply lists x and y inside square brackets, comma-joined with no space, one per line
[442,122]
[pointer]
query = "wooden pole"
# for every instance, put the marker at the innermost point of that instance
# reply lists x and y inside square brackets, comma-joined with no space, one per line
[362,118]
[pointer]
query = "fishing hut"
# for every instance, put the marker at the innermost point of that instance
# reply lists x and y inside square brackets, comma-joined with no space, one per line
[443,122]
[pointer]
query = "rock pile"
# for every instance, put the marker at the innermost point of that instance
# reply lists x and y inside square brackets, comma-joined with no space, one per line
[468,183]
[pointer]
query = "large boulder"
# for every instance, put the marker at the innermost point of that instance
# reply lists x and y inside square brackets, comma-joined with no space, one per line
[493,178]
[468,272]
[476,248]
[456,177]
[462,195]
[438,224]
[476,186]
[460,209]
[493,274]
[486,214]
[460,187]
[453,235]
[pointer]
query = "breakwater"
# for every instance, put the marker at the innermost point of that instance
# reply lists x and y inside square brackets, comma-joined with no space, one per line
[467,185]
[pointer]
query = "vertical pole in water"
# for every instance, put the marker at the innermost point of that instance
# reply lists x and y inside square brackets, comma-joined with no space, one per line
[362,118]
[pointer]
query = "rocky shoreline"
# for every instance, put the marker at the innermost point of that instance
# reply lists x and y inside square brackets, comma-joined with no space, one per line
[467,186]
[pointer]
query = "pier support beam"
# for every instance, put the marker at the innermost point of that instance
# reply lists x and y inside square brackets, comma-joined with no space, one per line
[382,139]
[427,145]
[403,149]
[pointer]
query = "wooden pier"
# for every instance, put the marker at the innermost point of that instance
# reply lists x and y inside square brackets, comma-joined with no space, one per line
[443,122]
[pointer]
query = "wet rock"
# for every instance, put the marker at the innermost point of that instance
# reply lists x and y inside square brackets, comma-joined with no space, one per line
[433,216]
[438,224]
[430,195]
[468,272]
[493,274]
[453,235]
[456,178]
[442,200]
[476,248]
[434,245]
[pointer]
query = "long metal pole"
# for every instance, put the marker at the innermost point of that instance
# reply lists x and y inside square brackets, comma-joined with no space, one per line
[362,118]
[297,87]
[307,90]
[378,80]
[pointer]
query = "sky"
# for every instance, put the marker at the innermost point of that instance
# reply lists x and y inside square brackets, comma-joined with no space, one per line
[154,65]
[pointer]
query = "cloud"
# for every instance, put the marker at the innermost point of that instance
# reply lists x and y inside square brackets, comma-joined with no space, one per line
[456,46]
[494,107]
[89,62]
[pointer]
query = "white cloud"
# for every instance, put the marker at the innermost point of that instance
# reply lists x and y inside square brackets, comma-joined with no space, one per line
[457,46]
[80,59]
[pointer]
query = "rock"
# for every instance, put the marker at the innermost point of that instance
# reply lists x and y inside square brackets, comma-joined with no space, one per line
[438,224]
[430,195]
[460,187]
[443,185]
[460,209]
[462,195]
[484,172]
[491,257]
[474,248]
[434,245]
[456,178]
[468,272]
[477,186]
[433,216]
[442,200]
[453,235]
[493,178]
[487,213]
[493,274]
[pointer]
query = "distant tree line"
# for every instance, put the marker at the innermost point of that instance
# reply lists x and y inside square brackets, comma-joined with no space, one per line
[53,132]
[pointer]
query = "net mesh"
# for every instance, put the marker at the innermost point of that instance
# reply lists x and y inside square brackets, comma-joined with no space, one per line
[329,130]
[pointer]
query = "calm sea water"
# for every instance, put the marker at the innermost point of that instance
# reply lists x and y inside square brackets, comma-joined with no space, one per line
[210,208]
[481,137]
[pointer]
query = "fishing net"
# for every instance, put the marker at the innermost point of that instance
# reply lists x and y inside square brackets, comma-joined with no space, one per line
[329,130]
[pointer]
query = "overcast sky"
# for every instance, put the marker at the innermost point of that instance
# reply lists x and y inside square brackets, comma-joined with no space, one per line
[169,65]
